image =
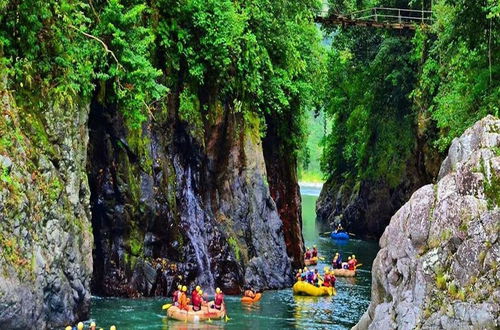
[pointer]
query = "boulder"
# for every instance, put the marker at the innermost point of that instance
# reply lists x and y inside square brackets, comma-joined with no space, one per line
[439,258]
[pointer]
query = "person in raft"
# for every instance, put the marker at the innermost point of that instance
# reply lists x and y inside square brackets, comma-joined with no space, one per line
[183,299]
[351,263]
[355,260]
[310,276]
[314,253]
[298,276]
[337,261]
[329,279]
[250,293]
[219,299]
[317,277]
[339,228]
[176,295]
[196,299]
[304,274]
[307,255]
[345,265]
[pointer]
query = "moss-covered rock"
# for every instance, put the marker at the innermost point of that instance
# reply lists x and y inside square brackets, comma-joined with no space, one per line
[443,246]
[45,233]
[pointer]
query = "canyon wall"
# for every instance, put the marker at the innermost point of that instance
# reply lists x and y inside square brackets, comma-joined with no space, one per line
[45,228]
[182,207]
[439,257]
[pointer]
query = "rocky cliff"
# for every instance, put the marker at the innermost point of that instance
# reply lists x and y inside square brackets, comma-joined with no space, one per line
[364,207]
[182,205]
[439,257]
[45,233]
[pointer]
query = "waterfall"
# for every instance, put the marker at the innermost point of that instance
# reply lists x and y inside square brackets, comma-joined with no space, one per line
[193,217]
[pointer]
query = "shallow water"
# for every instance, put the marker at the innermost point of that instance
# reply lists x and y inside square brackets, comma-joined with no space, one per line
[277,309]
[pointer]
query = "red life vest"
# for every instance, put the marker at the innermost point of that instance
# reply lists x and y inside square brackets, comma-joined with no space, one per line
[327,279]
[308,254]
[196,299]
[315,253]
[219,299]
[176,296]
[351,264]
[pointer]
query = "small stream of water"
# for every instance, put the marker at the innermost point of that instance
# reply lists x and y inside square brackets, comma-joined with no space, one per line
[277,309]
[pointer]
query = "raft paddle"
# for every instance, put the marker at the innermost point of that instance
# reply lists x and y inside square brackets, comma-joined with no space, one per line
[166,306]
[321,258]
[359,265]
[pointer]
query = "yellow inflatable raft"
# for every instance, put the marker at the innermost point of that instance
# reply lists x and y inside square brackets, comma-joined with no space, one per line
[204,314]
[344,273]
[311,262]
[302,288]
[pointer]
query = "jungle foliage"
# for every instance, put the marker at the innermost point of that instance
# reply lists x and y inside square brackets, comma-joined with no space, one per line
[387,87]
[253,56]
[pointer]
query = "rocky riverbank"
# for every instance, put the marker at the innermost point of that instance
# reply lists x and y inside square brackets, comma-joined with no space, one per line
[439,257]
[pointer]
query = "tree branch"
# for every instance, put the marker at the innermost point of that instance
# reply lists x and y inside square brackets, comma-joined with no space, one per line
[102,43]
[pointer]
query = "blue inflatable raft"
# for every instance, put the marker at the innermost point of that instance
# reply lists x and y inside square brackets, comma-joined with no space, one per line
[340,235]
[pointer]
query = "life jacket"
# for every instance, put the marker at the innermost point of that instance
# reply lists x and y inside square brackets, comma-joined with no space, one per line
[298,276]
[219,299]
[196,299]
[308,254]
[333,279]
[310,277]
[183,301]
[351,264]
[303,276]
[314,253]
[326,280]
[175,297]
[345,265]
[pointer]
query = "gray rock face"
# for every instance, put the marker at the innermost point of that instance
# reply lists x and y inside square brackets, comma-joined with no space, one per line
[199,212]
[439,257]
[45,234]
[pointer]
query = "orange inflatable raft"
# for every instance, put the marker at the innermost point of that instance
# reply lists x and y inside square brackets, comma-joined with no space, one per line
[204,314]
[311,262]
[251,300]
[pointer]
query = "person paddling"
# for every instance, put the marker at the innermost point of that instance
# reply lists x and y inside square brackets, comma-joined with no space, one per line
[304,274]
[351,264]
[196,299]
[250,293]
[219,299]
[314,252]
[183,300]
[354,260]
[298,276]
[176,295]
[333,279]
[327,278]
[307,255]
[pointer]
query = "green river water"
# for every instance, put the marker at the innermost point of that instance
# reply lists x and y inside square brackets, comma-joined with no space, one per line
[277,309]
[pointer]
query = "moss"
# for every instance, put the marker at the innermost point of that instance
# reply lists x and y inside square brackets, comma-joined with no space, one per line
[235,247]
[482,256]
[452,289]
[440,281]
[446,234]
[55,189]
[492,191]
[460,295]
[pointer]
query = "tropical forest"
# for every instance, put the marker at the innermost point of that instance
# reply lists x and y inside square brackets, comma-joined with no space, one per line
[249,164]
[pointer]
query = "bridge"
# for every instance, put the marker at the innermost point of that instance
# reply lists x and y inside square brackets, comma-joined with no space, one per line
[377,17]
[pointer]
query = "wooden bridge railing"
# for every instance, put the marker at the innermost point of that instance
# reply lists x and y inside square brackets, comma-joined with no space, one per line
[395,18]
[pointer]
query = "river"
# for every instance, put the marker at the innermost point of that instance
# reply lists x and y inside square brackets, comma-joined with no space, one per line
[277,309]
